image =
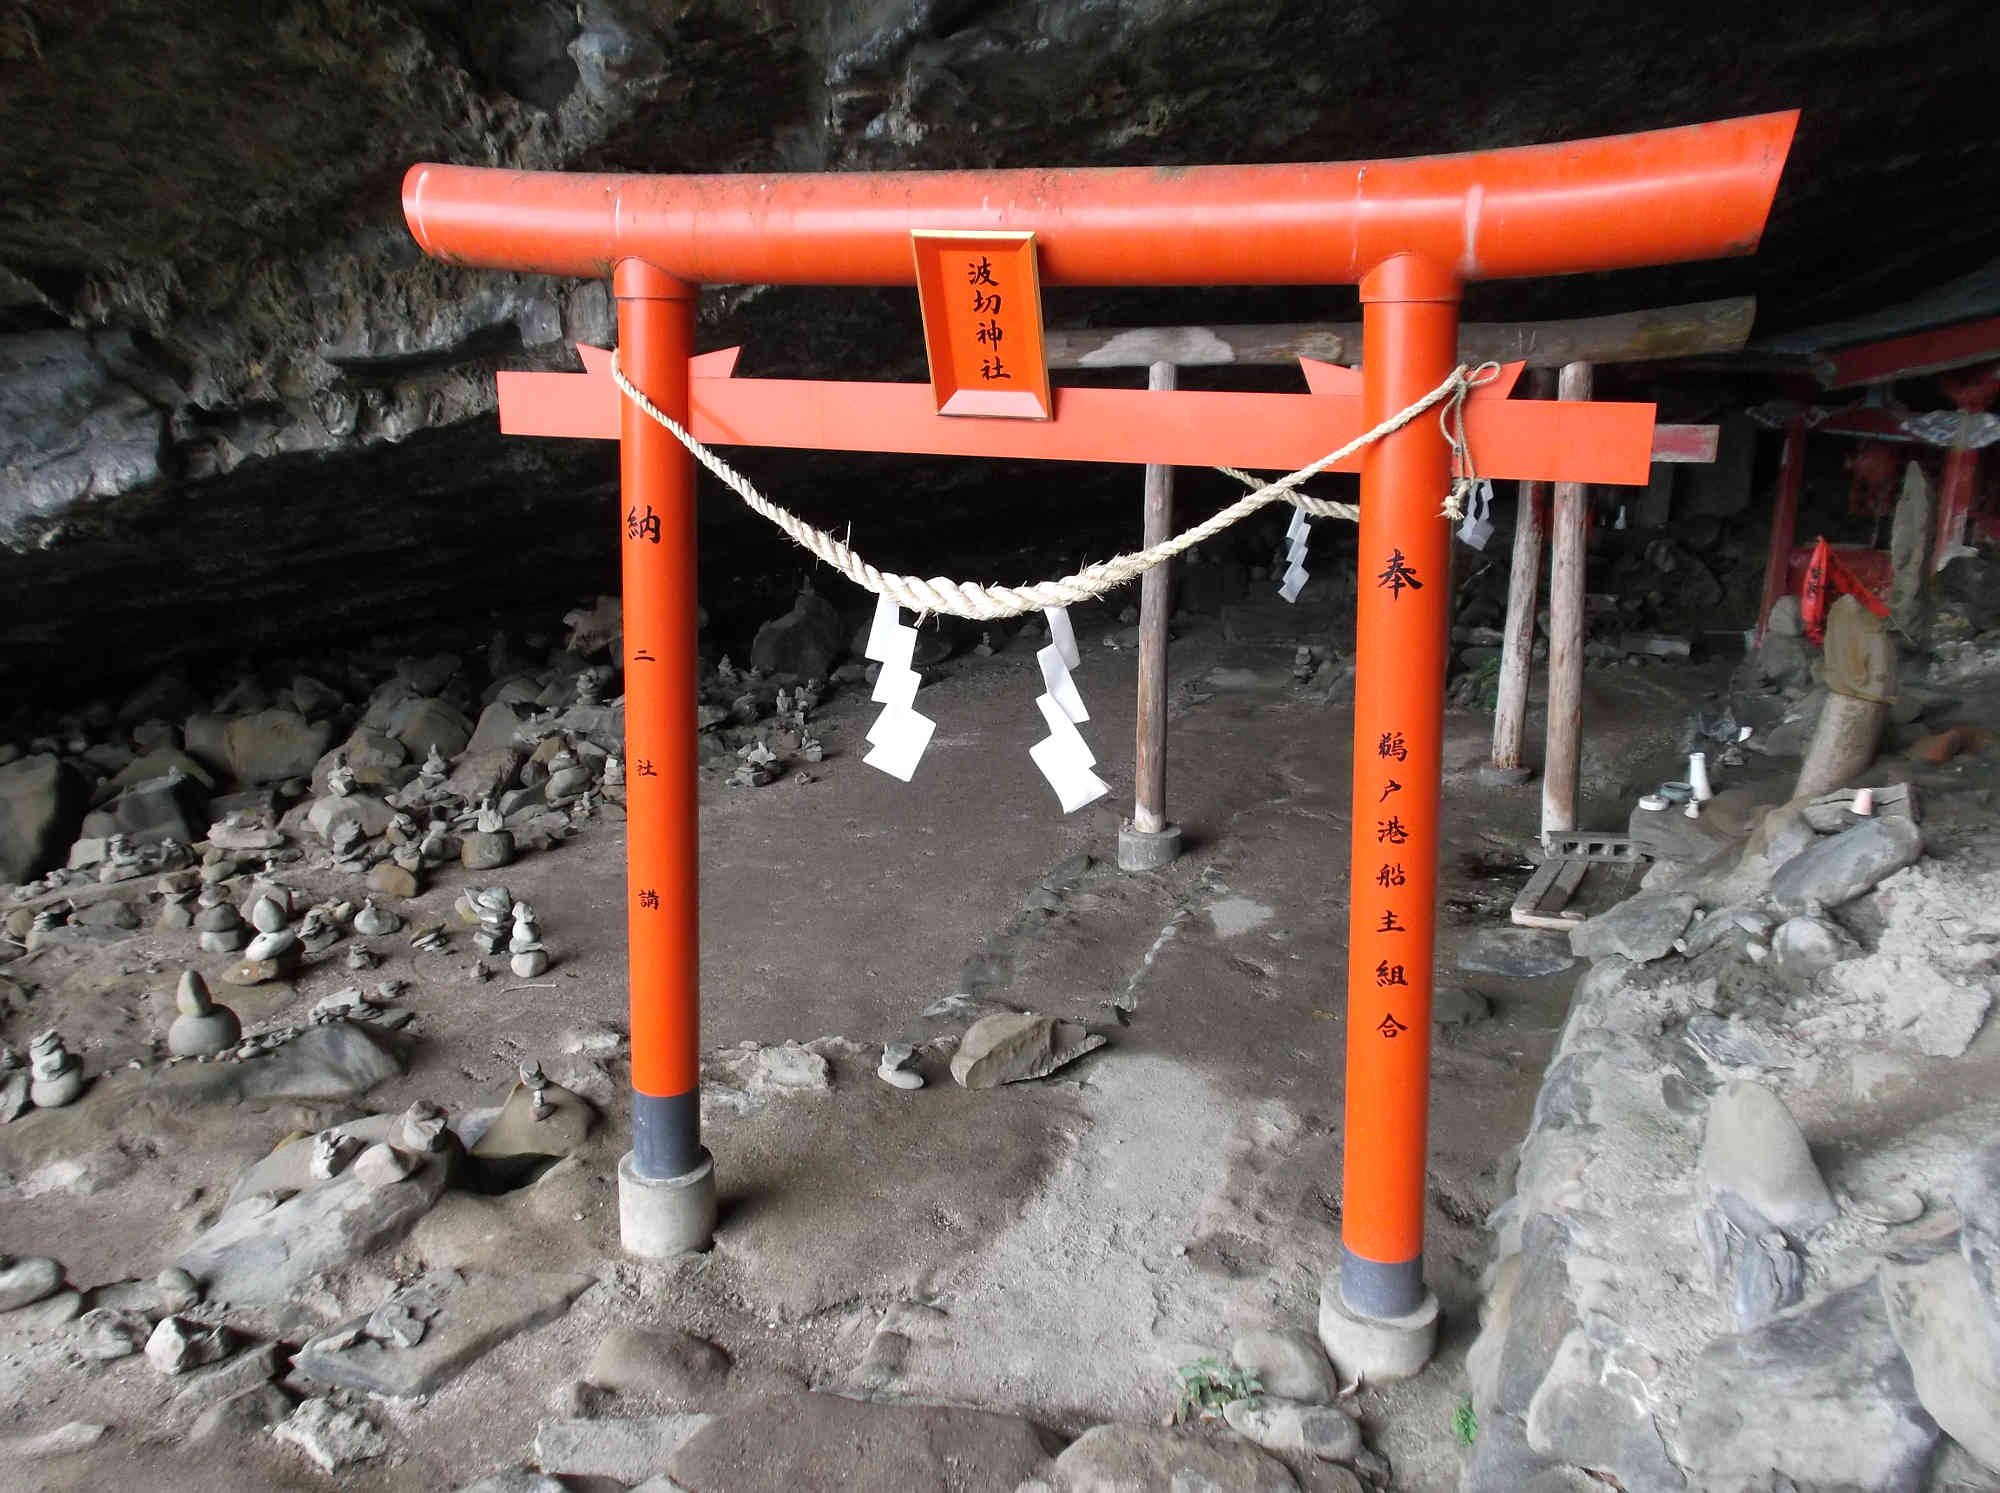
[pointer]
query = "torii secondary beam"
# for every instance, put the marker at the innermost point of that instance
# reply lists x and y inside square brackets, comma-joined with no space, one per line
[1410,233]
[1514,438]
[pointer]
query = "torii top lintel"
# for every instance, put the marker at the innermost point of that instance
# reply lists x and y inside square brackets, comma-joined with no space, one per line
[1660,197]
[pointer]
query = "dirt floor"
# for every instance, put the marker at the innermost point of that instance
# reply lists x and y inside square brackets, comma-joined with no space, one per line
[1054,1247]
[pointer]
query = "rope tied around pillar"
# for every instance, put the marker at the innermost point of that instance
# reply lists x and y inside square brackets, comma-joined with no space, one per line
[989,603]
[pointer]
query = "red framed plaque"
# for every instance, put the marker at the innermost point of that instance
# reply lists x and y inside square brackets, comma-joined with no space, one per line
[982,305]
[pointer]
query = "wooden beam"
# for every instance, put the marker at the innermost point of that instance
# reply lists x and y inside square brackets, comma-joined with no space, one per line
[1568,529]
[1705,327]
[1913,356]
[1149,773]
[1510,711]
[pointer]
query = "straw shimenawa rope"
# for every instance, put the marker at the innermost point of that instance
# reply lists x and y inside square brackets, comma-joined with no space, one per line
[986,603]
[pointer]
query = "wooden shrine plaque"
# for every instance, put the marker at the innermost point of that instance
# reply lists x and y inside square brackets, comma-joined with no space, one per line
[982,305]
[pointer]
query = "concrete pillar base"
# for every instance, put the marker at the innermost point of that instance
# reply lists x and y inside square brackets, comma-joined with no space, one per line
[661,1217]
[1147,850]
[1377,1350]
[1491,776]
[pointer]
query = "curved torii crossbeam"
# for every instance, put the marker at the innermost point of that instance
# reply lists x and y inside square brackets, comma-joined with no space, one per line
[1409,232]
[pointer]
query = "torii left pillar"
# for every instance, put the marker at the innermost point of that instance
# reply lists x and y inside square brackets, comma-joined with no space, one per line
[666,1182]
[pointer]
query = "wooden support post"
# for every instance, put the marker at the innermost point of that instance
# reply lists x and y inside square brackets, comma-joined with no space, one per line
[1568,526]
[1148,842]
[1784,521]
[1517,644]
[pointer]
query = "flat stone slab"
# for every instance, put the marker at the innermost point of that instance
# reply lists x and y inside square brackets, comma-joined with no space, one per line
[466,1316]
[1517,953]
[628,1451]
[821,1443]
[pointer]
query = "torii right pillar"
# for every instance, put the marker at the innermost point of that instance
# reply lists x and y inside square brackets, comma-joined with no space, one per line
[1376,1317]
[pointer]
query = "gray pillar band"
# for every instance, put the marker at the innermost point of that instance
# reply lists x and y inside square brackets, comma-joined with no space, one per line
[1381,1290]
[666,1134]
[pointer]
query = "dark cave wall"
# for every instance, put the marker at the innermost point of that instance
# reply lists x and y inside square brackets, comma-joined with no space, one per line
[225,369]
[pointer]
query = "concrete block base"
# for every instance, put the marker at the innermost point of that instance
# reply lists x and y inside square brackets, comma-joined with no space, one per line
[659,1218]
[1378,1350]
[1147,850]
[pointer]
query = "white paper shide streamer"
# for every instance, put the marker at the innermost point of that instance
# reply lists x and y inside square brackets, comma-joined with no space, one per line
[1295,555]
[1062,755]
[897,739]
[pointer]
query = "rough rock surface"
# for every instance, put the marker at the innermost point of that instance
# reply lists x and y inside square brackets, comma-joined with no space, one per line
[1288,1365]
[1684,1294]
[666,1362]
[262,1250]
[463,1317]
[332,1437]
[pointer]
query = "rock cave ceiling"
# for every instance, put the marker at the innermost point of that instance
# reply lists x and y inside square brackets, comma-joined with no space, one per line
[206,293]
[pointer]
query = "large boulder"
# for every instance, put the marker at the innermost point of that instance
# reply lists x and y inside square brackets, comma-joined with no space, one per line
[1839,868]
[1954,1354]
[804,642]
[1641,928]
[422,723]
[41,809]
[1126,1459]
[1821,1394]
[269,746]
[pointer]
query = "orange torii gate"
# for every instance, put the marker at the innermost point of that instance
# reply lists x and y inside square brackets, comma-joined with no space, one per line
[1409,232]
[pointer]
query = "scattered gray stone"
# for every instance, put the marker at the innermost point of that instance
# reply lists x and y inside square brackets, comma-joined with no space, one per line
[804,642]
[179,1344]
[1516,953]
[41,1318]
[27,1280]
[1803,946]
[1753,1151]
[108,1332]
[332,1437]
[63,1441]
[463,1317]
[1838,868]
[1288,1365]
[1010,1046]
[244,1414]
[821,1443]
[178,1291]
[626,1450]
[516,1480]
[658,1361]
[1820,1394]
[1120,1459]
[231,1377]
[1293,1430]
[1599,1421]
[1641,928]
[1977,1193]
[1752,1264]
[1454,1005]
